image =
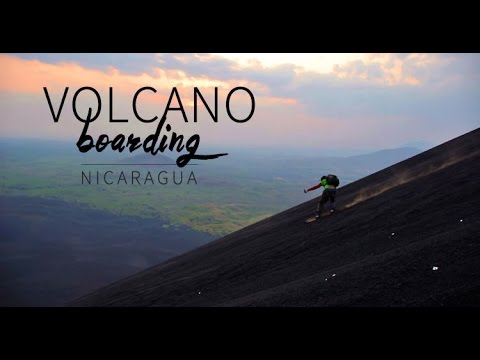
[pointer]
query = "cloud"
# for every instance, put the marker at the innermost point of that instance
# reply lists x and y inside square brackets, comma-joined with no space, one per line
[443,88]
[347,100]
[22,75]
[432,88]
[24,109]
[134,64]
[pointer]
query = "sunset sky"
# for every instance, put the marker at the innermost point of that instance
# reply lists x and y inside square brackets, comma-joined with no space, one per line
[338,101]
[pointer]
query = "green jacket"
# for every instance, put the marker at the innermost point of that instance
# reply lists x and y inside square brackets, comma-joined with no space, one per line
[325,185]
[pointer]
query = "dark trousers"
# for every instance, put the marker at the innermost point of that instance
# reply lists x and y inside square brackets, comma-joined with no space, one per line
[328,195]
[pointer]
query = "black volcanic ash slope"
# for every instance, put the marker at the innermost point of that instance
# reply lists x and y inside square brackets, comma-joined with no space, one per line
[394,228]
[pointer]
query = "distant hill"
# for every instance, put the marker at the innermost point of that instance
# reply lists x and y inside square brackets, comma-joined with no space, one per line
[403,236]
[147,158]
[313,166]
[422,145]
[379,159]
[387,155]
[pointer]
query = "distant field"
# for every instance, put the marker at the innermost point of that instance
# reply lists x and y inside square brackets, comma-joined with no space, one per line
[217,205]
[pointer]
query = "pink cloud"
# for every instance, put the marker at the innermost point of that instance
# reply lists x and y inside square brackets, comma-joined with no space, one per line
[25,111]
[30,76]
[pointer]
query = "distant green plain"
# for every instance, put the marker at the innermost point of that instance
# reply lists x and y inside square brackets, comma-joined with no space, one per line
[224,200]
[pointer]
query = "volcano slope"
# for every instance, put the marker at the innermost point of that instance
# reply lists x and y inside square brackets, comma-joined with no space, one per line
[405,236]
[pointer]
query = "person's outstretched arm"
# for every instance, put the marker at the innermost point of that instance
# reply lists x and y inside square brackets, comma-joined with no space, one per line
[312,188]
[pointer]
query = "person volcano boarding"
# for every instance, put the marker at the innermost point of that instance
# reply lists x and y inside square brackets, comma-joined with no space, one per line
[330,183]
